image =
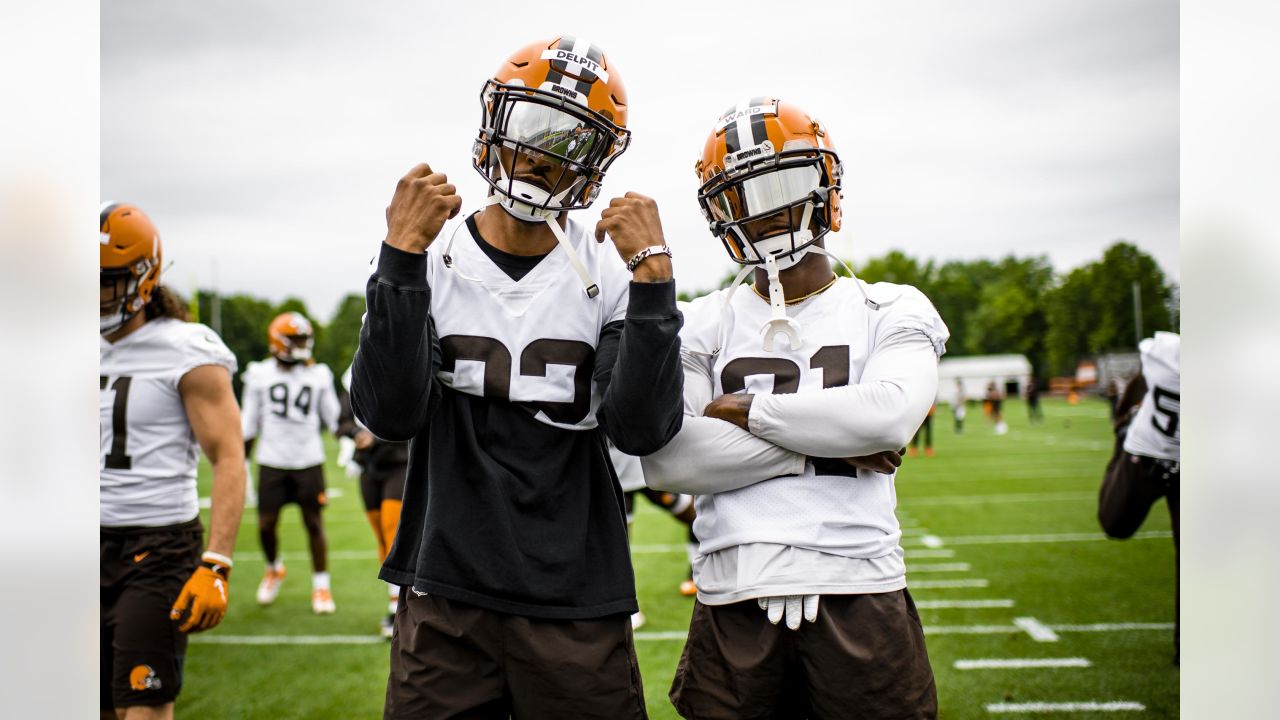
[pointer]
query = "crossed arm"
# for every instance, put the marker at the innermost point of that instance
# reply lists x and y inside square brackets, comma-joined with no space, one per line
[737,440]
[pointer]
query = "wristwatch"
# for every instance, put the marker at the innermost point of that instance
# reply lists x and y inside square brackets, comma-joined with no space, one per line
[635,261]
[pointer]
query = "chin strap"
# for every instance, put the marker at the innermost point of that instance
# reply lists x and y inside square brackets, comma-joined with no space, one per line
[549,217]
[778,322]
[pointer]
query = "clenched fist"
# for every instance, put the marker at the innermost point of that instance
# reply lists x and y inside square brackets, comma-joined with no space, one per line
[633,224]
[424,200]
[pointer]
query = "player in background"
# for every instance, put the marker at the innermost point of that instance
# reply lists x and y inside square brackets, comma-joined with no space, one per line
[508,344]
[926,429]
[288,400]
[1144,466]
[164,394]
[381,467]
[631,480]
[1034,413]
[790,443]
[958,410]
[995,401]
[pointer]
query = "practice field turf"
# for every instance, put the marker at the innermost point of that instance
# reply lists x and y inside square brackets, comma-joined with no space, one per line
[1028,610]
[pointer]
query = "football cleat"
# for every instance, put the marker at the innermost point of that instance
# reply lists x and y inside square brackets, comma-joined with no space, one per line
[269,588]
[688,588]
[322,602]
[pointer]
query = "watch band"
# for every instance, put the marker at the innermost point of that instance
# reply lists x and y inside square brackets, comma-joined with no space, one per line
[635,261]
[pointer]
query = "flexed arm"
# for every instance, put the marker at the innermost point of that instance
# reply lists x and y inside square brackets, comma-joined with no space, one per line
[393,373]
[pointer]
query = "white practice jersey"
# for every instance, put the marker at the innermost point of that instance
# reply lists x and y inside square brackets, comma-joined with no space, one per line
[494,329]
[800,519]
[1156,429]
[149,453]
[285,408]
[630,473]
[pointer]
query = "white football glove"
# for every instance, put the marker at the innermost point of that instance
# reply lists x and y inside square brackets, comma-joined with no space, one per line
[791,606]
[347,451]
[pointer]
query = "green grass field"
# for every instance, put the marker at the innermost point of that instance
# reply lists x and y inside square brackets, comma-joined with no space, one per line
[1005,560]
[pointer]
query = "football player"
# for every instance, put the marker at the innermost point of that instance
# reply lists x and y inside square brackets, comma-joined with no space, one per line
[288,400]
[381,466]
[1144,466]
[164,394]
[631,480]
[800,392]
[507,344]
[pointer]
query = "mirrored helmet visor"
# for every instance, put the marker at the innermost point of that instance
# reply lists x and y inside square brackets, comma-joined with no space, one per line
[765,192]
[550,130]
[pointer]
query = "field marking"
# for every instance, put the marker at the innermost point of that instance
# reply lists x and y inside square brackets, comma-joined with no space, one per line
[1001,498]
[651,636]
[939,567]
[287,639]
[945,584]
[1013,629]
[1113,627]
[943,553]
[1047,707]
[931,541]
[1036,629]
[957,604]
[1020,663]
[1049,538]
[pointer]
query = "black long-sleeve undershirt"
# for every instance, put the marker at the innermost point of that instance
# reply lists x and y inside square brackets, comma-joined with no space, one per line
[502,510]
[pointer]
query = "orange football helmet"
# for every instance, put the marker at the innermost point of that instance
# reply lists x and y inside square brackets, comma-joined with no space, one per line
[290,337]
[553,119]
[129,264]
[770,181]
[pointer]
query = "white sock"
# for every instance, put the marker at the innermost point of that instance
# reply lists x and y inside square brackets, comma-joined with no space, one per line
[278,565]
[393,597]
[320,581]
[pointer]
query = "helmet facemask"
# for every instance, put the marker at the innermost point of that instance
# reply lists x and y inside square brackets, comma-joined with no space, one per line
[772,204]
[119,298]
[297,348]
[541,152]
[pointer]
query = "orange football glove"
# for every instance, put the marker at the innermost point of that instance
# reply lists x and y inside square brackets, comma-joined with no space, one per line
[205,593]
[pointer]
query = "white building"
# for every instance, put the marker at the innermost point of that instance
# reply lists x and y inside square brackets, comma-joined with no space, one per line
[1010,373]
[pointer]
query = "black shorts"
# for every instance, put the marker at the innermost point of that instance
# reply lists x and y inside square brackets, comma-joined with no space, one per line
[453,660]
[382,484]
[277,486]
[141,572]
[863,657]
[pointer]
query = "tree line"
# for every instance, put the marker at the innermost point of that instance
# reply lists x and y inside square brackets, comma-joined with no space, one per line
[1011,305]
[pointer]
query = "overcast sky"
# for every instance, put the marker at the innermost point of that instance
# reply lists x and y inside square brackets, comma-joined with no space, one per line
[265,139]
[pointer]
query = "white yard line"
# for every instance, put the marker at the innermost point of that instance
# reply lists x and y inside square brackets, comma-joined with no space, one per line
[947,584]
[1002,498]
[1020,663]
[938,567]
[216,639]
[1036,629]
[1049,538]
[654,636]
[1050,707]
[943,553]
[931,541]
[957,604]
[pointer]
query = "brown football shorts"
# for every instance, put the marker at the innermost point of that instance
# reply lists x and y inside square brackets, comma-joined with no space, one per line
[454,660]
[277,486]
[142,571]
[382,484]
[864,657]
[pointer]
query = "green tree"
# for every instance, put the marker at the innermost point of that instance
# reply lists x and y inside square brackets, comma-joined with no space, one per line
[342,334]
[1092,310]
[1010,317]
